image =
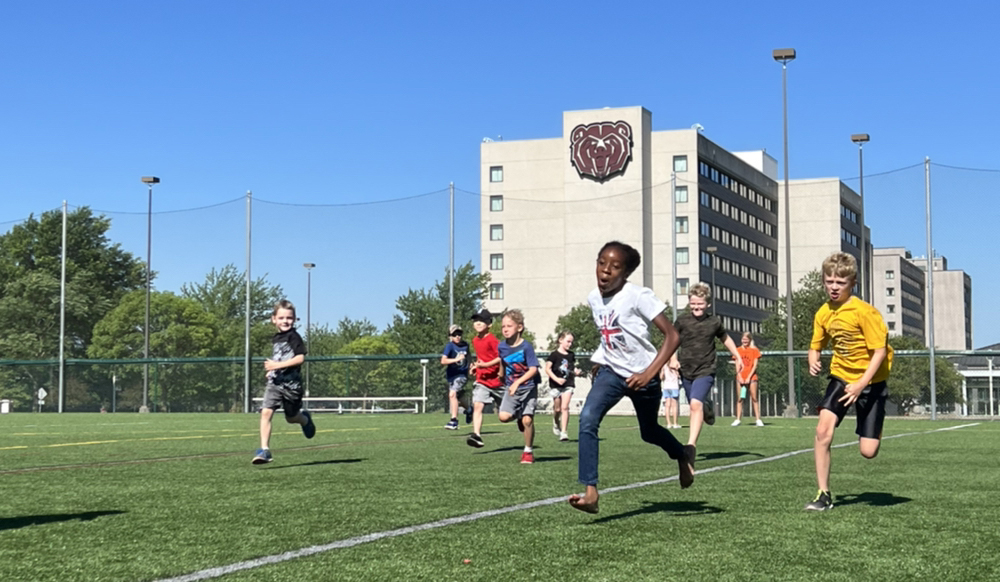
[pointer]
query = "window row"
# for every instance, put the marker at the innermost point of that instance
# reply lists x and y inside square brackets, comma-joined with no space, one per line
[849,214]
[743,298]
[737,242]
[742,216]
[735,185]
[740,325]
[850,238]
[496,173]
[736,269]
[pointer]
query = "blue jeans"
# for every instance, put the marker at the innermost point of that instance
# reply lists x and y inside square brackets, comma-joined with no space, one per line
[607,390]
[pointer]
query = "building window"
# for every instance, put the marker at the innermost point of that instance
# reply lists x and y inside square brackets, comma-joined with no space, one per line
[496,203]
[682,256]
[496,173]
[890,308]
[892,325]
[682,286]
[681,194]
[890,274]
[705,198]
[680,163]
[681,224]
[496,290]
[496,262]
[890,291]
[496,232]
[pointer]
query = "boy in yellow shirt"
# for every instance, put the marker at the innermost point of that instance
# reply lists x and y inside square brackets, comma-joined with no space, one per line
[858,336]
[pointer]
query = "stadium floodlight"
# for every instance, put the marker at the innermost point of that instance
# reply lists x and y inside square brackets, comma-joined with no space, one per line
[784,56]
[309,267]
[861,139]
[148,181]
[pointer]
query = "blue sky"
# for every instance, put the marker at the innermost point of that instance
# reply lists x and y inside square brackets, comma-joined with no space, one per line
[323,109]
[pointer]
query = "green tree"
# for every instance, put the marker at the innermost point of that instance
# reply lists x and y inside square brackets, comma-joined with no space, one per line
[324,341]
[421,326]
[179,328]
[909,379]
[98,274]
[773,372]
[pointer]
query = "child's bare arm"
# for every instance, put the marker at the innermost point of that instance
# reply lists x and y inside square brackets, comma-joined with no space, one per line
[667,349]
[731,346]
[815,366]
[276,365]
[853,390]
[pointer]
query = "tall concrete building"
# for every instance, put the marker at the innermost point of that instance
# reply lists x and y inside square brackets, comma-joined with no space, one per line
[898,292]
[825,219]
[675,196]
[952,305]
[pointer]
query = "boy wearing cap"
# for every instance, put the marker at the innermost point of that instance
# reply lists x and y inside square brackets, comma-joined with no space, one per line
[489,384]
[457,371]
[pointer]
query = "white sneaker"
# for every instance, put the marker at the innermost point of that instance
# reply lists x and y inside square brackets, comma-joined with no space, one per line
[555,429]
[563,436]
[760,422]
[677,426]
[736,422]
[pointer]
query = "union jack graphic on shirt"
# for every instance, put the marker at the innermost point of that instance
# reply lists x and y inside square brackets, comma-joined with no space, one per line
[612,335]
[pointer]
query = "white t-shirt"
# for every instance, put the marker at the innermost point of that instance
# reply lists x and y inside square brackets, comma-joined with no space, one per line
[623,324]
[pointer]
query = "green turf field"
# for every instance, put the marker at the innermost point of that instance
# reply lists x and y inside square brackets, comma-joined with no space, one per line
[152,497]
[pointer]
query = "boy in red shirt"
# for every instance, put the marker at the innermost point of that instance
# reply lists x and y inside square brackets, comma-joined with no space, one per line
[489,385]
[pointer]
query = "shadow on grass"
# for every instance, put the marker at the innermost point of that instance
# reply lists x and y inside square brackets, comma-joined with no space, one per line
[551,459]
[678,508]
[729,455]
[871,498]
[312,463]
[506,449]
[19,522]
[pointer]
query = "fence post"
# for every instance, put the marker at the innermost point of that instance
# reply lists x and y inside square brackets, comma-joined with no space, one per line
[798,388]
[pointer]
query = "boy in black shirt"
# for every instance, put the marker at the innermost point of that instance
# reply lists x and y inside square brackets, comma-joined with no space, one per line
[284,380]
[695,359]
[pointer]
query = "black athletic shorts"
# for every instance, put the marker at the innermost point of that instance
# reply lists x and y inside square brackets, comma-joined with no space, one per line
[870,406]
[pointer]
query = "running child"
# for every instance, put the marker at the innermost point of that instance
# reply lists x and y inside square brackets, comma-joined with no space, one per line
[489,386]
[520,371]
[671,395]
[862,358]
[695,359]
[284,380]
[561,369]
[627,364]
[453,356]
[749,355]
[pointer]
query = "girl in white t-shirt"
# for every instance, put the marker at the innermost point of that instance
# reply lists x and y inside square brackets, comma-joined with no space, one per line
[626,364]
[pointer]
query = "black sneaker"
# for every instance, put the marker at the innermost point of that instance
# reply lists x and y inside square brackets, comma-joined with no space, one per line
[468,416]
[475,440]
[452,424]
[308,429]
[823,501]
[709,411]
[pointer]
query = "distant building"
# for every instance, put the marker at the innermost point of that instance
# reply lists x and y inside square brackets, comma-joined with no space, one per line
[898,291]
[552,203]
[952,305]
[826,218]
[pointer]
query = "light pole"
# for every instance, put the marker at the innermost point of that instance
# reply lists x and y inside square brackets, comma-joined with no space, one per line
[715,296]
[783,56]
[309,267]
[149,181]
[861,139]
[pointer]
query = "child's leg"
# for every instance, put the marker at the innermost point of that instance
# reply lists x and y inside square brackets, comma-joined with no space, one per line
[739,403]
[698,391]
[567,397]
[529,431]
[453,400]
[608,388]
[871,416]
[646,404]
[824,436]
[675,406]
[754,400]
[556,411]
[477,417]
[265,427]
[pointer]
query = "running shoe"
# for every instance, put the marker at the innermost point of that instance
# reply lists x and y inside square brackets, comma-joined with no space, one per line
[527,458]
[262,456]
[736,422]
[308,429]
[474,440]
[823,502]
[452,424]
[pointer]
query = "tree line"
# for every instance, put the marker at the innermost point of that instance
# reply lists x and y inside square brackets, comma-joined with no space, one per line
[205,320]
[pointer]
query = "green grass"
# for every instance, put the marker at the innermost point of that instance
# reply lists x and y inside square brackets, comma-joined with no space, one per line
[130,497]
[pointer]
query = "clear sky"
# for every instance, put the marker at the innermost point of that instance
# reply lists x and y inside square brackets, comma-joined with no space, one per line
[323,109]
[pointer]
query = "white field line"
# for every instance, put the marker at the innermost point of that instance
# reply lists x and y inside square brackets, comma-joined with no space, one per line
[372,537]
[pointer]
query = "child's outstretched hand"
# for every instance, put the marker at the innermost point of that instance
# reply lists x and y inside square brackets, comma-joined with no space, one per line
[815,368]
[270,365]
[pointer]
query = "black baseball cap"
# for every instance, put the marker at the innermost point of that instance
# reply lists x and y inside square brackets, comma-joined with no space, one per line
[484,316]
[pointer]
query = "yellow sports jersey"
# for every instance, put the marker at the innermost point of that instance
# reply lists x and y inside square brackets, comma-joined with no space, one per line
[854,329]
